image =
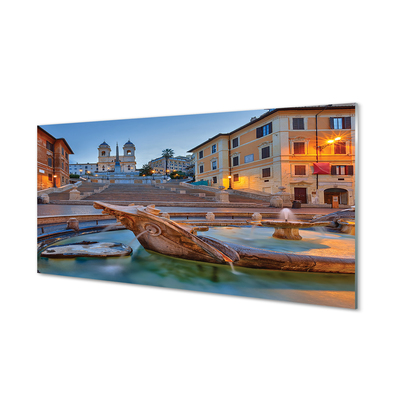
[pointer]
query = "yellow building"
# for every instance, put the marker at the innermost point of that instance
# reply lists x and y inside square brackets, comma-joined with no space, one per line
[308,150]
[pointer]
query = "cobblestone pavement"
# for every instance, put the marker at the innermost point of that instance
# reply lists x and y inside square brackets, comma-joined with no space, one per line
[54,209]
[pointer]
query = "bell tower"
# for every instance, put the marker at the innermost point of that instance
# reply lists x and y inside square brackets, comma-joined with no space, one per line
[104,150]
[129,159]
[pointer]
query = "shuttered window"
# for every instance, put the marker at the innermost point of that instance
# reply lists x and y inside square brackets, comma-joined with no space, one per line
[235,177]
[235,142]
[201,154]
[298,123]
[342,170]
[264,130]
[340,147]
[265,152]
[299,169]
[201,169]
[266,172]
[235,161]
[340,122]
[299,148]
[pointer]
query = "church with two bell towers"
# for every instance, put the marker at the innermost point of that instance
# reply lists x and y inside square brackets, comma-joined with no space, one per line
[125,163]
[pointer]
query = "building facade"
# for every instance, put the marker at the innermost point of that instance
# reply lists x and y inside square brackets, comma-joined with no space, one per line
[108,163]
[308,150]
[180,163]
[52,160]
[83,169]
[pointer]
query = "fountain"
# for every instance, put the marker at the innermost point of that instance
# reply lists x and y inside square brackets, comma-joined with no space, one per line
[287,227]
[166,237]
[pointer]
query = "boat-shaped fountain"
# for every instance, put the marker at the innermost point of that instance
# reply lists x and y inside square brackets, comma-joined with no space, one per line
[166,237]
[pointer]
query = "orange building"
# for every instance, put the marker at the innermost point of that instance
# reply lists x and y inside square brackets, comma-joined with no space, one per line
[52,160]
[308,150]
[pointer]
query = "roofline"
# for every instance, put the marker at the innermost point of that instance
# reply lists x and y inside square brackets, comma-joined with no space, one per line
[209,140]
[66,143]
[275,110]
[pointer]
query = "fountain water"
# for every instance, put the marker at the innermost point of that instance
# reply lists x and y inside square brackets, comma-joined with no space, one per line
[287,215]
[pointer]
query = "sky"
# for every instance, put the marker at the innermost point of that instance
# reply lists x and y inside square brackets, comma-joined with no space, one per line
[150,135]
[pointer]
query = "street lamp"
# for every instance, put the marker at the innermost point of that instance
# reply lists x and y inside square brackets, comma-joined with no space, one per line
[230,180]
[316,135]
[55,176]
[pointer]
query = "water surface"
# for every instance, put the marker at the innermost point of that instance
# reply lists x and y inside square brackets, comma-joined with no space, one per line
[145,268]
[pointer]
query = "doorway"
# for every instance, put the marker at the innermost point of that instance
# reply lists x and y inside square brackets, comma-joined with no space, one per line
[300,194]
[341,193]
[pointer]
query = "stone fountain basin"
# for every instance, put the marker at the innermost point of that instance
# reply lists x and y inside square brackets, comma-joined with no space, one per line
[87,249]
[289,230]
[292,224]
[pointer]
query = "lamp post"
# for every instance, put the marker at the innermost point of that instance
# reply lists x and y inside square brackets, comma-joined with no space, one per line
[316,134]
[230,182]
[55,184]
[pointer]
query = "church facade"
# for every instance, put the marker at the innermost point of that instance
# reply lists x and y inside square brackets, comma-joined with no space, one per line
[125,163]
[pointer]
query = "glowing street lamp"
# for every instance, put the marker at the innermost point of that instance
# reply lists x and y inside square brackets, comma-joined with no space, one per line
[230,180]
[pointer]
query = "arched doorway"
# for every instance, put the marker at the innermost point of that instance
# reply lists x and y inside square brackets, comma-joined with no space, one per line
[341,193]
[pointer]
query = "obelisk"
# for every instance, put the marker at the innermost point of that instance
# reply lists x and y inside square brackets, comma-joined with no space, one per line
[117,168]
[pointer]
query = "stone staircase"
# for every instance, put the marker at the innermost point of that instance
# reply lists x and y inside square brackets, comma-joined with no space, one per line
[85,187]
[210,195]
[147,193]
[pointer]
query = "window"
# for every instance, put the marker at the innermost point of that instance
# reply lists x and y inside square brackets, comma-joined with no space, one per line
[264,130]
[62,164]
[342,170]
[49,146]
[103,153]
[299,148]
[214,148]
[299,169]
[62,150]
[340,122]
[50,177]
[340,147]
[49,162]
[235,161]
[249,158]
[235,177]
[214,165]
[201,169]
[214,179]
[129,167]
[265,152]
[235,142]
[201,154]
[298,123]
[266,172]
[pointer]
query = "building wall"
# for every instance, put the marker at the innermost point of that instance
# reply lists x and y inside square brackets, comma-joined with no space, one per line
[52,160]
[81,169]
[293,171]
[174,164]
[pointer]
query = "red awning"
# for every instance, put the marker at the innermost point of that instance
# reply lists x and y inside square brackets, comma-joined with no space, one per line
[322,168]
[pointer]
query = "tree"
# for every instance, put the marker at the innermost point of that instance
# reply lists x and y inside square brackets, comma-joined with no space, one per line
[167,154]
[146,170]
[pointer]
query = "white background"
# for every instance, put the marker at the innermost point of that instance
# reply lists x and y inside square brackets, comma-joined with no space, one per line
[95,60]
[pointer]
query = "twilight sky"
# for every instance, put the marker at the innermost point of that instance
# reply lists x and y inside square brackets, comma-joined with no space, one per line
[150,135]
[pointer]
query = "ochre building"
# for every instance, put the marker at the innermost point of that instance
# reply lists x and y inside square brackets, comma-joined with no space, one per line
[52,160]
[308,150]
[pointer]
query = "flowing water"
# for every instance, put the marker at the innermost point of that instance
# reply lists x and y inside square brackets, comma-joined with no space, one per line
[147,268]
